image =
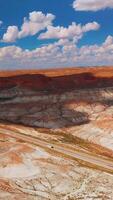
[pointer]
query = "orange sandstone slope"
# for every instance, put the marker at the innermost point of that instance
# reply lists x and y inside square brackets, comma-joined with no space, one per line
[97,71]
[58,79]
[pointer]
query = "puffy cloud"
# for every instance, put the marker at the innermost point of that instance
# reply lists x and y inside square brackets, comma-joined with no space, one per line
[108,41]
[36,22]
[59,54]
[91,27]
[62,53]
[92,5]
[73,31]
[11,34]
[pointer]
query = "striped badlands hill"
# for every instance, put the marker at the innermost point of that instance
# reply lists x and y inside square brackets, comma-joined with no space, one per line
[69,99]
[56,134]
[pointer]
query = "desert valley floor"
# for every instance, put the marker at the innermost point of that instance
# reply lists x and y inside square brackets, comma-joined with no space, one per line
[56,134]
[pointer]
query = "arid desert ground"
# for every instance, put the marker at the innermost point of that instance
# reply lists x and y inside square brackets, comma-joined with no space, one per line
[56,134]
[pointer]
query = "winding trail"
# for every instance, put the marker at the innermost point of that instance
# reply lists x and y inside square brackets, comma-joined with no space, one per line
[87,159]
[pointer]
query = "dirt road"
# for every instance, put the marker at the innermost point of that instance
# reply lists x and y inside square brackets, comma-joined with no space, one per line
[86,158]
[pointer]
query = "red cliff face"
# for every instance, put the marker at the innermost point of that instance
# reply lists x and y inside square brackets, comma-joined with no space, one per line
[56,80]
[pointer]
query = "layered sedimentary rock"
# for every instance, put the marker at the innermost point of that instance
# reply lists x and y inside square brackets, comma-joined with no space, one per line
[55,124]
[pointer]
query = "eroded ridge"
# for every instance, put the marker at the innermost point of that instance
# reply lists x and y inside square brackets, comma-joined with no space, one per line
[56,135]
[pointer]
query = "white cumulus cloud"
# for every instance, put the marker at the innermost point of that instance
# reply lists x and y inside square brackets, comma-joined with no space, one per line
[11,34]
[92,5]
[36,22]
[63,53]
[73,31]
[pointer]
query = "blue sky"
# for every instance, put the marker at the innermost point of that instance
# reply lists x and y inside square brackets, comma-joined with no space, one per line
[52,33]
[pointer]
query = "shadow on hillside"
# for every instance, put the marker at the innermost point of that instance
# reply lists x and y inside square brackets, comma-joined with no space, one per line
[40,82]
[49,114]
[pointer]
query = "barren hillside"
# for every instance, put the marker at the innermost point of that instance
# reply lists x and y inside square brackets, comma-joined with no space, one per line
[56,134]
